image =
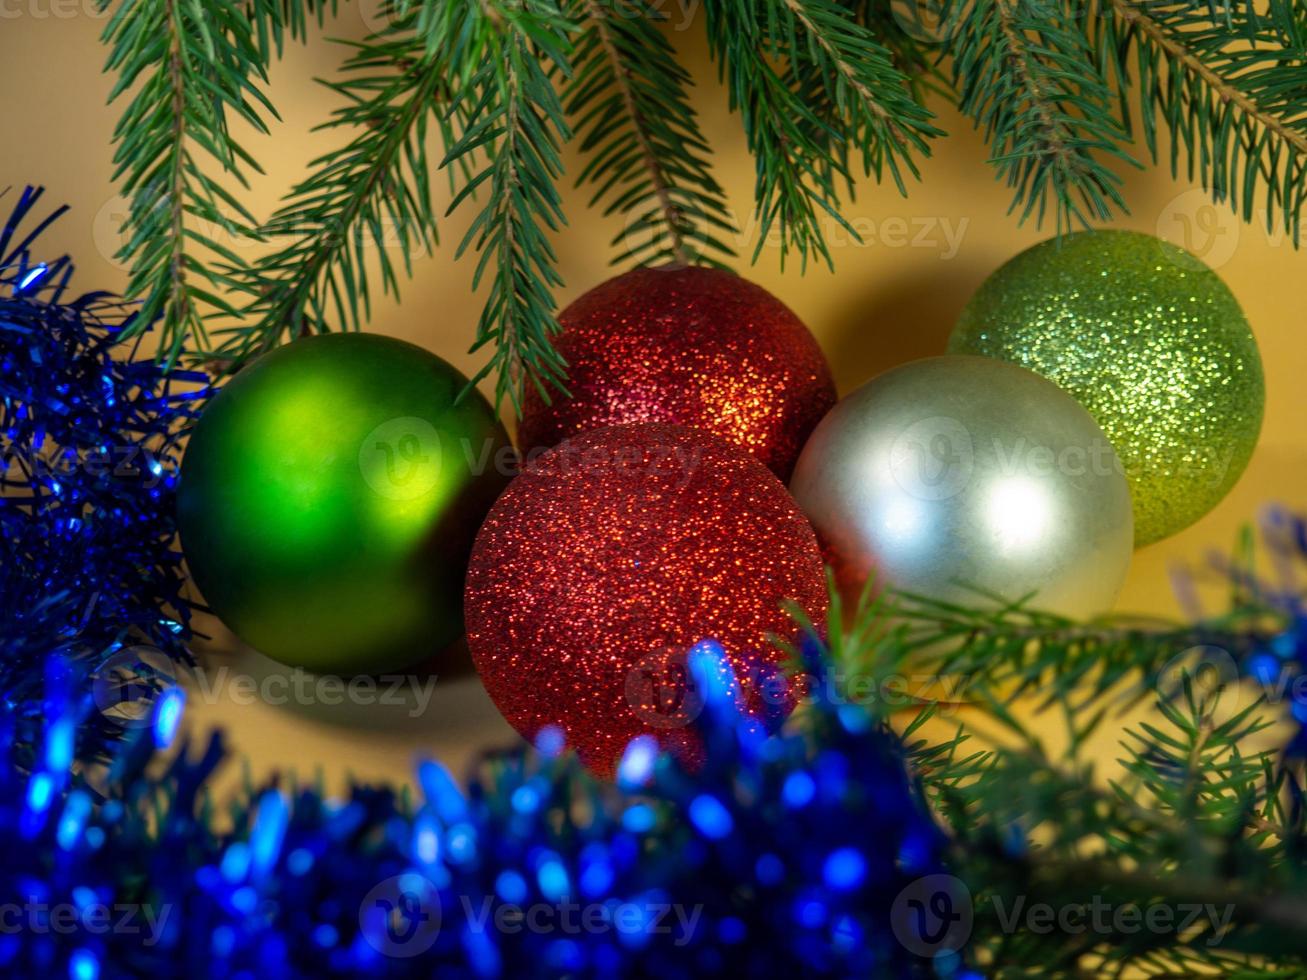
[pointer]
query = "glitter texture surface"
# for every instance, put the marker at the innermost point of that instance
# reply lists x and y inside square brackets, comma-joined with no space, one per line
[689,346]
[1152,343]
[608,559]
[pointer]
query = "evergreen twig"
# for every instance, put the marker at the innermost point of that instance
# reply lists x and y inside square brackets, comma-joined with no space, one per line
[1028,76]
[646,155]
[515,116]
[813,85]
[1228,81]
[192,69]
[363,201]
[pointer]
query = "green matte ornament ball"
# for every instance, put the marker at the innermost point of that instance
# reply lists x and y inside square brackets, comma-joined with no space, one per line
[1152,343]
[329,498]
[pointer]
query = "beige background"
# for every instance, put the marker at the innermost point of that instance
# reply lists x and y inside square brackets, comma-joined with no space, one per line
[890,299]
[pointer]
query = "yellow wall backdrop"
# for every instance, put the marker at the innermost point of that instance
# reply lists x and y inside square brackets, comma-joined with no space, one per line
[891,298]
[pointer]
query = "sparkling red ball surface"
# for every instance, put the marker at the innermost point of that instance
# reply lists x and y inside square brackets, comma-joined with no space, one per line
[609,558]
[689,346]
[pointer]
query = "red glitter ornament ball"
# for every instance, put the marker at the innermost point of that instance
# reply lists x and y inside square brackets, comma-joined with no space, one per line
[690,346]
[608,559]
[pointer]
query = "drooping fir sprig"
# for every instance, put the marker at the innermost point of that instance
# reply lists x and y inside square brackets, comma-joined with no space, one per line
[1228,82]
[516,121]
[1052,84]
[1179,853]
[361,202]
[1030,78]
[814,89]
[1202,833]
[825,91]
[189,71]
[645,154]
[1198,836]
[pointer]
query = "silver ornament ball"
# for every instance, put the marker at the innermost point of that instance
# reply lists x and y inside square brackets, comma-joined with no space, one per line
[970,480]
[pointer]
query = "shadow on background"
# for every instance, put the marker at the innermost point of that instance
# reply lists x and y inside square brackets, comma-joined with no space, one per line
[440,695]
[903,321]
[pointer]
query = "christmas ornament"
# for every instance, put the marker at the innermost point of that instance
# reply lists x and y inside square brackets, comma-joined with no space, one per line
[691,346]
[612,556]
[1152,342]
[329,497]
[967,479]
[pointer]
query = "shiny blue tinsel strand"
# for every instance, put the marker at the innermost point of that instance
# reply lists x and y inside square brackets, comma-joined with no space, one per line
[88,433]
[535,870]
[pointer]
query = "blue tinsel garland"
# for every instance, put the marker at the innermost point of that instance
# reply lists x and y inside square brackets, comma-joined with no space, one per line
[88,436]
[782,856]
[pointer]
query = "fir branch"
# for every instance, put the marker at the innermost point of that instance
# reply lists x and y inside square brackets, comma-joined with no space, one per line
[276,21]
[514,115]
[1184,829]
[863,85]
[1026,651]
[916,57]
[1194,769]
[1199,815]
[362,202]
[1029,78]
[648,157]
[1229,82]
[812,85]
[194,68]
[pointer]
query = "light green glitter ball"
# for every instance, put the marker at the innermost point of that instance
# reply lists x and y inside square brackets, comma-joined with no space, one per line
[1152,343]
